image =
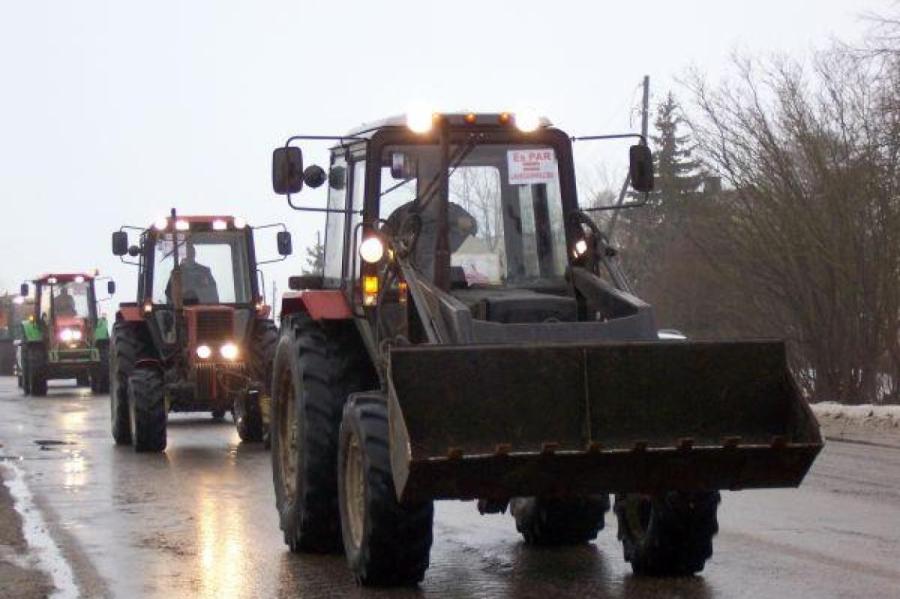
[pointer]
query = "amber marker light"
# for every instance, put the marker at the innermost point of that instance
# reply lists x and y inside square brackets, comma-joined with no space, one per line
[370,290]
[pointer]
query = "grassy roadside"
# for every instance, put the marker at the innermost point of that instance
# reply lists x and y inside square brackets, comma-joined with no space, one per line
[19,577]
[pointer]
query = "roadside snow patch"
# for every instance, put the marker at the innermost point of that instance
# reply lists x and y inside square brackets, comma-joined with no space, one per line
[862,412]
[34,529]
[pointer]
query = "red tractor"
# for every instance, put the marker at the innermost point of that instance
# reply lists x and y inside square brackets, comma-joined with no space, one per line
[199,337]
[473,336]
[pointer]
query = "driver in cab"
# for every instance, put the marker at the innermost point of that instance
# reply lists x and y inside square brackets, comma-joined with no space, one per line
[197,282]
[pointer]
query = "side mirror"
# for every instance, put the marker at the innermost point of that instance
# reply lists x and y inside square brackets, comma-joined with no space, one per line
[402,167]
[119,243]
[23,290]
[287,170]
[110,287]
[285,246]
[640,168]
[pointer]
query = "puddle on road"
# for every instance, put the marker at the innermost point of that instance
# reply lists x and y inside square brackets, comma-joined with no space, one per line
[51,443]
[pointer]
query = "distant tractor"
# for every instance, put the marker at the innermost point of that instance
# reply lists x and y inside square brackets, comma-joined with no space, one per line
[199,337]
[63,337]
[10,329]
[473,337]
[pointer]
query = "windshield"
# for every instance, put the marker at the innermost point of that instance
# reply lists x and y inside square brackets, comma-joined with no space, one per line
[214,267]
[505,214]
[70,300]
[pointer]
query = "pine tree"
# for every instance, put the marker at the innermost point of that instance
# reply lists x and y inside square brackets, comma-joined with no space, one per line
[315,258]
[677,175]
[655,231]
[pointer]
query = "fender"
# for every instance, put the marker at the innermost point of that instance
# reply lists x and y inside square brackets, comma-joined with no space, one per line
[31,333]
[319,304]
[129,313]
[101,331]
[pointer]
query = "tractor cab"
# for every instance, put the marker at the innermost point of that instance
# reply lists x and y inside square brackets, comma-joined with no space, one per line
[206,270]
[481,210]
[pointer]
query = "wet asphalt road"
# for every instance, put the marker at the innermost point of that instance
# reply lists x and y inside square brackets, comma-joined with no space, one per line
[199,521]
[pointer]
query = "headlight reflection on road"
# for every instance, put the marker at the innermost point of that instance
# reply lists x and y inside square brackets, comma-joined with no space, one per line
[220,524]
[73,469]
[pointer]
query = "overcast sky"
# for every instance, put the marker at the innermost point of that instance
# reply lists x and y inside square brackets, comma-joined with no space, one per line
[113,112]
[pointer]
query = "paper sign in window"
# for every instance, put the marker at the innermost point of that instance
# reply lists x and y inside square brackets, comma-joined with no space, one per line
[528,167]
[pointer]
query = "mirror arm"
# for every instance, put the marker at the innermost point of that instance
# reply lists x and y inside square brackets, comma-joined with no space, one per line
[272,260]
[282,226]
[620,206]
[613,136]
[315,209]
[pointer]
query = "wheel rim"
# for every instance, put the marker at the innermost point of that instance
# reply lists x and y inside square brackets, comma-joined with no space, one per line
[638,509]
[354,489]
[288,434]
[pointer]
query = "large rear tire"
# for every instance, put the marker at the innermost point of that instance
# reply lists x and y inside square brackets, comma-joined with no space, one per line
[669,534]
[559,521]
[126,347]
[147,410]
[386,543]
[100,374]
[37,370]
[316,368]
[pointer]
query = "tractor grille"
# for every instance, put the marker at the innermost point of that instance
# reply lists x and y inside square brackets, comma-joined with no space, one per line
[213,326]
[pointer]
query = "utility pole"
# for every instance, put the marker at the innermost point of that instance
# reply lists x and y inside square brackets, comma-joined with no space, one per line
[645,116]
[274,296]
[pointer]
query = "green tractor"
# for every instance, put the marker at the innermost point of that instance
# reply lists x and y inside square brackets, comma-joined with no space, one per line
[64,337]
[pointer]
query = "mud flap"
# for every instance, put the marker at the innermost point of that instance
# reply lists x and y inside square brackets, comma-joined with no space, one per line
[557,419]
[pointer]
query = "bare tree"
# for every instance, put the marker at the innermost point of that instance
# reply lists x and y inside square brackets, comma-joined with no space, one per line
[808,228]
[477,190]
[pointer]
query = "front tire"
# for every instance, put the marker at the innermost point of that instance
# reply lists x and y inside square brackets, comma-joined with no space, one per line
[147,410]
[248,417]
[559,521]
[125,349]
[669,534]
[314,372]
[386,542]
[37,371]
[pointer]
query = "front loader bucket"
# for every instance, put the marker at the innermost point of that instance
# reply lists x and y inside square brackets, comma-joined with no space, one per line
[573,419]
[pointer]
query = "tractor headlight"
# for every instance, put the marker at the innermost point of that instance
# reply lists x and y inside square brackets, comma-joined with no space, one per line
[527,120]
[229,351]
[419,119]
[68,335]
[581,247]
[204,352]
[371,250]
